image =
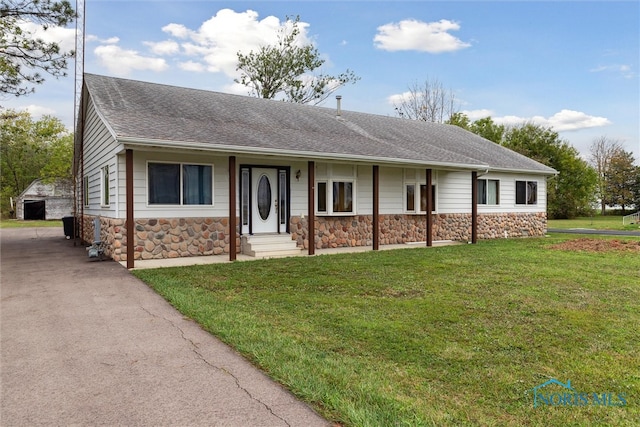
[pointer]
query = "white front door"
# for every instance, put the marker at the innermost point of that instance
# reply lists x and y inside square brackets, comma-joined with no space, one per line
[264,215]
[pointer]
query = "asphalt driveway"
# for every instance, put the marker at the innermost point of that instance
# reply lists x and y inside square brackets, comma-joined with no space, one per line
[86,343]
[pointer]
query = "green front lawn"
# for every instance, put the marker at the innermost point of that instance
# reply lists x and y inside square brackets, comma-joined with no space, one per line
[597,222]
[15,223]
[455,335]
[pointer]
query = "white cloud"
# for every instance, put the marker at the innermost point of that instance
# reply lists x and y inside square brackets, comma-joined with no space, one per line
[122,61]
[64,37]
[37,111]
[573,120]
[410,34]
[477,114]
[216,43]
[565,120]
[110,40]
[625,71]
[192,66]
[176,30]
[398,98]
[167,47]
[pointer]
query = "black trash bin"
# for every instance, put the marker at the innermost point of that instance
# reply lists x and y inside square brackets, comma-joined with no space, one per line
[67,225]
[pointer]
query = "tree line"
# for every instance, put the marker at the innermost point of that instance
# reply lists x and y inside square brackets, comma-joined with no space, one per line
[607,178]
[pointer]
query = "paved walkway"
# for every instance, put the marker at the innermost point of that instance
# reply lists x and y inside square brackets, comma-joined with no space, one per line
[85,343]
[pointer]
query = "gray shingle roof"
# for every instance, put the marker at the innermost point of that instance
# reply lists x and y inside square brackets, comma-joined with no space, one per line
[140,111]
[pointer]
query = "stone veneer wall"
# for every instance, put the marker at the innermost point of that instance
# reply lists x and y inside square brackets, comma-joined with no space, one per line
[158,238]
[333,232]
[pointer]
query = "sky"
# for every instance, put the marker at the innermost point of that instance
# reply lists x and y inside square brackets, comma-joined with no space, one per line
[569,65]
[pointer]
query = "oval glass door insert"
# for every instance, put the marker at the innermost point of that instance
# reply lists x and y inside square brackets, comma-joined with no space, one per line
[264,197]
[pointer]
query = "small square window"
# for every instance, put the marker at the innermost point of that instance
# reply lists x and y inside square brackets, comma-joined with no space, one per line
[488,192]
[526,192]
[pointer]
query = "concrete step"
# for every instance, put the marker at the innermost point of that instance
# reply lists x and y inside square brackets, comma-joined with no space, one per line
[269,245]
[274,254]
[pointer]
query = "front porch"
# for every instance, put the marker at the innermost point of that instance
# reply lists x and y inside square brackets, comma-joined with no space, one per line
[203,260]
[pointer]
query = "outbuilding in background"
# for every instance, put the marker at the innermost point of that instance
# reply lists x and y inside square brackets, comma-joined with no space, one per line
[44,201]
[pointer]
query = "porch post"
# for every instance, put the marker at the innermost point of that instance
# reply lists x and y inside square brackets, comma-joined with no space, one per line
[474,207]
[376,208]
[311,207]
[232,208]
[130,228]
[429,229]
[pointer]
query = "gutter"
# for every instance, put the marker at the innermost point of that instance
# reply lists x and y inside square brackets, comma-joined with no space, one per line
[234,149]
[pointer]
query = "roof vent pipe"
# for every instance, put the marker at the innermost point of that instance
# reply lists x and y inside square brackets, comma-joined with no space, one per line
[339,108]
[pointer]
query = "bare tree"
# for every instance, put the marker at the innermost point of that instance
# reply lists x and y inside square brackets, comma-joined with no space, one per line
[429,102]
[602,151]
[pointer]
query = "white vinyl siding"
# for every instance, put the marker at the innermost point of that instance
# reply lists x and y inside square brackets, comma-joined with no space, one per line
[99,147]
[454,192]
[391,192]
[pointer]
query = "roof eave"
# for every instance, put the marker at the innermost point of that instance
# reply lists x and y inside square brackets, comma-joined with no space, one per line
[235,149]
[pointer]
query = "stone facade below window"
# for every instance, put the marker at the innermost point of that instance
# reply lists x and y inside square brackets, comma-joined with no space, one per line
[334,232]
[158,238]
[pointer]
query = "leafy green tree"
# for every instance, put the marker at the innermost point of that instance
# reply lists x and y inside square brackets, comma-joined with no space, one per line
[460,120]
[488,129]
[570,193]
[620,179]
[282,69]
[22,55]
[30,150]
[484,127]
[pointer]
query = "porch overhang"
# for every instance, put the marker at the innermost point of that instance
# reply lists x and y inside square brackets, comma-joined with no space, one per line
[225,150]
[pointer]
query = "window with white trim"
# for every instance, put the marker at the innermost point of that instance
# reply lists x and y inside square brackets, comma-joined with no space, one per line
[413,199]
[179,184]
[488,192]
[321,197]
[336,194]
[104,186]
[526,192]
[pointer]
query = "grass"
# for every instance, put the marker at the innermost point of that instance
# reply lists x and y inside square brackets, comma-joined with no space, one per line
[15,223]
[455,335]
[597,222]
